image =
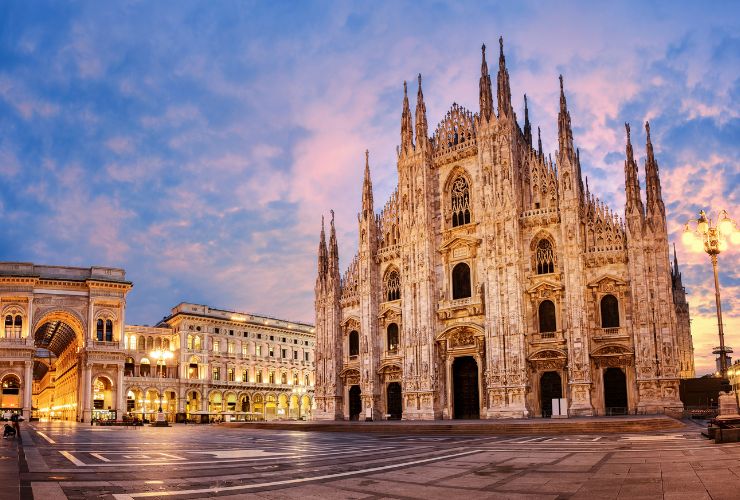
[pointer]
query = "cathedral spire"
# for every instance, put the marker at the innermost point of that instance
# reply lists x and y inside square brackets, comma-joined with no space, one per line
[527,125]
[654,199]
[565,133]
[407,133]
[633,209]
[485,94]
[367,190]
[323,253]
[539,142]
[421,118]
[333,261]
[504,92]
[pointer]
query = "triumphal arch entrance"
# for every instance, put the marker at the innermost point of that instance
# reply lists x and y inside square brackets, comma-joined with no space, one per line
[61,340]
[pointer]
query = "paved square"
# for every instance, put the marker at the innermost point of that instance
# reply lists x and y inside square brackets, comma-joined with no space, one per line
[68,460]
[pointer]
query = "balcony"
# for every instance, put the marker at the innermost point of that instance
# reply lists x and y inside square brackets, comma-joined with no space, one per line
[102,345]
[13,341]
[610,333]
[547,337]
[455,308]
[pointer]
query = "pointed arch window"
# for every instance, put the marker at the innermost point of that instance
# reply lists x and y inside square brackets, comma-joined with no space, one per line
[392,286]
[609,311]
[544,257]
[460,199]
[354,344]
[392,337]
[461,288]
[546,313]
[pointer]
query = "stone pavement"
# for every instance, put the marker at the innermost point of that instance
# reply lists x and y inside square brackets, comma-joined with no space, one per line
[10,483]
[82,462]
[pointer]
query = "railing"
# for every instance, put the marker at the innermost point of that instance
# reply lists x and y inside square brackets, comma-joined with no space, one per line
[611,331]
[105,345]
[13,340]
[547,335]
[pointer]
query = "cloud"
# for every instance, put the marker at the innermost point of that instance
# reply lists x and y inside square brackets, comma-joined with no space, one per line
[198,147]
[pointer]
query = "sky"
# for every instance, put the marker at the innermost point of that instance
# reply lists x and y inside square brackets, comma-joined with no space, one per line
[197,144]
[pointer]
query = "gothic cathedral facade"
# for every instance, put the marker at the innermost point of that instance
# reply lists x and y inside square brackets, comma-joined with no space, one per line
[493,282]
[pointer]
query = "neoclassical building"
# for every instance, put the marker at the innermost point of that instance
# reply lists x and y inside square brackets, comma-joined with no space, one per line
[66,353]
[493,280]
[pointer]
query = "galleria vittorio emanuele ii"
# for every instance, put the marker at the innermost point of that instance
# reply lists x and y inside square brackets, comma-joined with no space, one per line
[493,281]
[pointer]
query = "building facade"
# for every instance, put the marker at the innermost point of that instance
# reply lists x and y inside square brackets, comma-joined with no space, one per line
[493,281]
[67,354]
[223,363]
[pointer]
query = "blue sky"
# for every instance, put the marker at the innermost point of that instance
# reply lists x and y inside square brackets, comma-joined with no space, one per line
[196,144]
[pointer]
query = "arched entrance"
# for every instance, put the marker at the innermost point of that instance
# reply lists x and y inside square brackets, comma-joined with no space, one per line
[244,404]
[102,396]
[551,387]
[57,338]
[11,393]
[393,400]
[615,391]
[355,402]
[465,387]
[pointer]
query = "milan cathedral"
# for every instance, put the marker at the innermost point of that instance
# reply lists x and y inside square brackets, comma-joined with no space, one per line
[494,284]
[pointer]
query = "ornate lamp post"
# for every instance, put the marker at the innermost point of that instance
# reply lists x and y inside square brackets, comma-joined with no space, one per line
[713,240]
[161,355]
[299,391]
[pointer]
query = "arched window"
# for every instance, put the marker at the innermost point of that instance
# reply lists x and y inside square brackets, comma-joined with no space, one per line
[166,344]
[392,286]
[305,380]
[13,326]
[283,378]
[460,199]
[144,367]
[544,257]
[392,337]
[190,341]
[128,367]
[547,317]
[354,343]
[461,281]
[132,342]
[258,376]
[271,378]
[99,332]
[150,343]
[196,343]
[142,344]
[609,312]
[109,331]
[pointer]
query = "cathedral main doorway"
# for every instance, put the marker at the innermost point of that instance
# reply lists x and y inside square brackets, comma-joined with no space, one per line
[615,392]
[551,387]
[393,398]
[355,402]
[465,387]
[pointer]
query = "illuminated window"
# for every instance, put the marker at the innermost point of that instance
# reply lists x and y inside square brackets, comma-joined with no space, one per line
[216,373]
[392,337]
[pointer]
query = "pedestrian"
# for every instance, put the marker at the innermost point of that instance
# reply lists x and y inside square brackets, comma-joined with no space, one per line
[15,418]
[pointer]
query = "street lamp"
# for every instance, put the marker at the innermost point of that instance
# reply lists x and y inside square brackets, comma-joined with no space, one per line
[161,355]
[299,391]
[713,240]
